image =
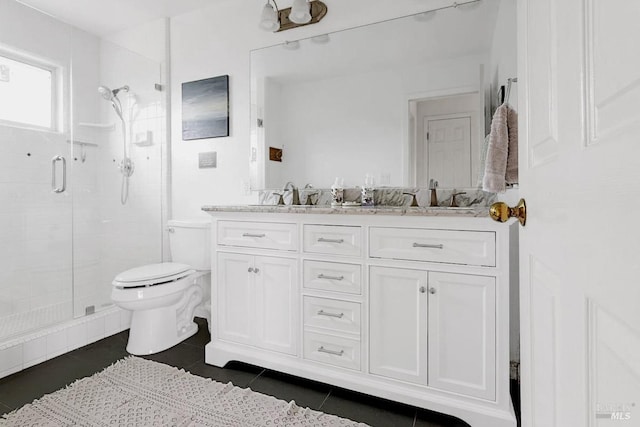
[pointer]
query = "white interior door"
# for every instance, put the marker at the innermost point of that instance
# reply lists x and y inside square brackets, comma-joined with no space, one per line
[579,69]
[449,151]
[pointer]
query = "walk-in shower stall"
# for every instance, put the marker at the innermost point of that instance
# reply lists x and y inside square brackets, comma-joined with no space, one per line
[81,181]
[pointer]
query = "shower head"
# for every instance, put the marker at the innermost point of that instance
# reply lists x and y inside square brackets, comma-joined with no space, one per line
[112,95]
[105,92]
[109,94]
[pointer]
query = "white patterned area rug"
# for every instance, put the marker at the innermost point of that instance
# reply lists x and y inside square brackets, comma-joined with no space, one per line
[138,392]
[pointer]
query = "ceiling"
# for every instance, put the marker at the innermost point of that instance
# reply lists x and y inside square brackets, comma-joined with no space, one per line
[102,17]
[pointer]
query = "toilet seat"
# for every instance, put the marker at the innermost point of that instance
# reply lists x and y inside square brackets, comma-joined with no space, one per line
[152,275]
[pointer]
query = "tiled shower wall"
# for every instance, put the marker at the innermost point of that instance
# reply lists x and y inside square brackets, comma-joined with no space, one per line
[60,252]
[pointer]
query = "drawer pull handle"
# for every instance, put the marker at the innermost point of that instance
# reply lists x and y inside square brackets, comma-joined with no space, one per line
[321,349]
[253,235]
[426,245]
[324,313]
[322,276]
[324,240]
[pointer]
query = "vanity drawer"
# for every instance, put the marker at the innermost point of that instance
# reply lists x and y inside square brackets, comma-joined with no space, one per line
[333,239]
[262,235]
[336,315]
[446,246]
[332,276]
[338,351]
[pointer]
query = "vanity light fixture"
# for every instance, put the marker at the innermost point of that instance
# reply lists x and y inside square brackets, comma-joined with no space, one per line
[303,12]
[269,18]
[300,12]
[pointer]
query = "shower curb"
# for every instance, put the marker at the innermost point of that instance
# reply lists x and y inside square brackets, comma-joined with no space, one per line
[36,347]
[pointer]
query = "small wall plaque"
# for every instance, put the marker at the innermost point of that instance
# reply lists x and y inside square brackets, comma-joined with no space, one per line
[275,154]
[207,160]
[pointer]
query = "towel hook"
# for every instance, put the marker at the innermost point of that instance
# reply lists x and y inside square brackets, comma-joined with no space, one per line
[509,81]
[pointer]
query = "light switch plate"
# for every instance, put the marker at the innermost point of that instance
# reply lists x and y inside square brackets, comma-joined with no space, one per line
[208,160]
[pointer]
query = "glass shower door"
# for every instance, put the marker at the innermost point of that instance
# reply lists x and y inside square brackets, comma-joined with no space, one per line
[117,217]
[35,198]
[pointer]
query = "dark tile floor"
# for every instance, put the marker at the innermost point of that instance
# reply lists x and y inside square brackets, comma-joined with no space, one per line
[25,386]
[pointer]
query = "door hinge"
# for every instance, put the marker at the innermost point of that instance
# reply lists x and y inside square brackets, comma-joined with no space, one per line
[514,371]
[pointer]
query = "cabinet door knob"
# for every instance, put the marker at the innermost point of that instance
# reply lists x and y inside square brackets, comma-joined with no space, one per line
[256,270]
[423,289]
[432,291]
[250,270]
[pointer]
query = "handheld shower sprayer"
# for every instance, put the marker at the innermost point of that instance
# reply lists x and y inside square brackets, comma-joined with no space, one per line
[109,94]
[126,165]
[112,96]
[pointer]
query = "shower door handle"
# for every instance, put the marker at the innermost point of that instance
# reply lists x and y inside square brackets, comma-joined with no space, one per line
[54,185]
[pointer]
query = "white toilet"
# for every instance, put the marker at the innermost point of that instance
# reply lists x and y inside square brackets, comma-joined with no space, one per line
[165,297]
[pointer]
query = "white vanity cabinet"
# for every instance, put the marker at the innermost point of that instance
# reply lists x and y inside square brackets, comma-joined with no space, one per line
[410,308]
[448,329]
[258,295]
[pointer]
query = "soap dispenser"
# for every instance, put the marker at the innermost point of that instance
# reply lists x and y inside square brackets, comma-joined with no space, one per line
[368,190]
[337,192]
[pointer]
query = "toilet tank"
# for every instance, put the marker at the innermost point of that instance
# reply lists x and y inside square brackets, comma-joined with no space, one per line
[190,243]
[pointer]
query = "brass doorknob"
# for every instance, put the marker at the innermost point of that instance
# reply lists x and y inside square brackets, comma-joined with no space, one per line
[501,212]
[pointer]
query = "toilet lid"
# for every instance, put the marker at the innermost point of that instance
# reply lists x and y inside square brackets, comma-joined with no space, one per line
[147,274]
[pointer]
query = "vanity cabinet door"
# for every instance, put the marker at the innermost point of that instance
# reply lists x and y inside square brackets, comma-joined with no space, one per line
[257,301]
[462,334]
[235,297]
[276,293]
[398,323]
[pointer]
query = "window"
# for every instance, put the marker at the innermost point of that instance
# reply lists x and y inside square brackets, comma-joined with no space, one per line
[27,92]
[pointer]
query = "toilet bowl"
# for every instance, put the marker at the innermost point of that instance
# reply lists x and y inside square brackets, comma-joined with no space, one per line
[164,297]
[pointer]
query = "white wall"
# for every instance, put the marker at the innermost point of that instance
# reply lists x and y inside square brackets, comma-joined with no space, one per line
[504,51]
[212,42]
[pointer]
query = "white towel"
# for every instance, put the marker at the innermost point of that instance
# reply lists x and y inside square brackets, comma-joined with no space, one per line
[501,165]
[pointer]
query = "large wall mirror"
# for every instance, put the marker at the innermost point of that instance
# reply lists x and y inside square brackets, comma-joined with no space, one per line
[405,100]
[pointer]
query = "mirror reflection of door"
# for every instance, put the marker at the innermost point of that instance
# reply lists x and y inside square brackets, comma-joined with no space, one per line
[448,135]
[448,151]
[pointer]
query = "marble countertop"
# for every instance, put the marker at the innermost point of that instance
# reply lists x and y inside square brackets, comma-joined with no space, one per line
[480,211]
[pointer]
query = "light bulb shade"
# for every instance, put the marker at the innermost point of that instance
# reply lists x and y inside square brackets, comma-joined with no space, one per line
[269,18]
[300,12]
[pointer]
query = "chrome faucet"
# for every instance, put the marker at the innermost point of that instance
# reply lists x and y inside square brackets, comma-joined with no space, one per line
[453,203]
[295,196]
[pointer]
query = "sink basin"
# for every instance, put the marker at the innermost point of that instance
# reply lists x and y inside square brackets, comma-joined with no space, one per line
[449,208]
[399,208]
[286,206]
[435,208]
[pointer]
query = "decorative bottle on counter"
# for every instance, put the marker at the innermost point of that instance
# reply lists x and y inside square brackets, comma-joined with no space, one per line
[337,192]
[367,198]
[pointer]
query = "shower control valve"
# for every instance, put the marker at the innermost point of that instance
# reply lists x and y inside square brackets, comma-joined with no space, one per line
[126,167]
